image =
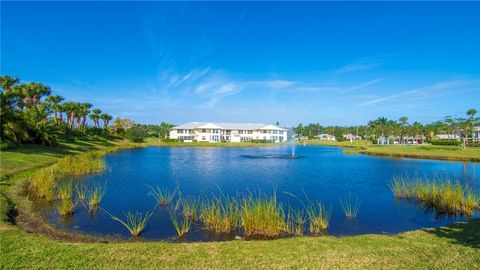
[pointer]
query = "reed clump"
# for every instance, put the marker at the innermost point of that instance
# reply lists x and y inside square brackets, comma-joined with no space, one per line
[66,207]
[81,191]
[296,222]
[65,190]
[220,214]
[43,183]
[163,196]
[443,195]
[350,207]
[134,222]
[95,196]
[262,216]
[182,227]
[318,217]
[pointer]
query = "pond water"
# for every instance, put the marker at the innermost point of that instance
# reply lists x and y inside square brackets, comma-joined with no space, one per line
[321,173]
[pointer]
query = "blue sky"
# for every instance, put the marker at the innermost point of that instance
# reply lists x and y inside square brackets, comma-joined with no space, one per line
[327,62]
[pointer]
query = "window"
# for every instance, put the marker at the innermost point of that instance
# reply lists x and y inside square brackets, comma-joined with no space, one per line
[204,130]
[274,132]
[203,138]
[240,132]
[250,132]
[280,132]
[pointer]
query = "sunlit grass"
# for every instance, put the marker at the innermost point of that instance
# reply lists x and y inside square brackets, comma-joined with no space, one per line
[134,222]
[65,190]
[81,191]
[43,183]
[182,226]
[441,194]
[318,217]
[220,214]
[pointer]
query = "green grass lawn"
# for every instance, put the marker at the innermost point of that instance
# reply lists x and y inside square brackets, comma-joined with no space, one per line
[453,247]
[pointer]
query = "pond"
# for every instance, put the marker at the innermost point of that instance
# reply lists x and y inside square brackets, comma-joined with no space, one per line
[320,173]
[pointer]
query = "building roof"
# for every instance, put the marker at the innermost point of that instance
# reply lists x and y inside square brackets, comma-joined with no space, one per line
[218,125]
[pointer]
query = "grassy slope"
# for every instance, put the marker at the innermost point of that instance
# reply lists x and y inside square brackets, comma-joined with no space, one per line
[457,246]
[413,151]
[454,247]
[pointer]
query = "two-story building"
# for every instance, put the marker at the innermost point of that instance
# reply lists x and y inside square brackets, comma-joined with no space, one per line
[228,132]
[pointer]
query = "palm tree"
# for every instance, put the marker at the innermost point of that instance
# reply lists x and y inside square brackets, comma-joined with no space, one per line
[71,109]
[12,124]
[54,102]
[95,116]
[404,121]
[84,110]
[7,82]
[472,113]
[106,118]
[33,92]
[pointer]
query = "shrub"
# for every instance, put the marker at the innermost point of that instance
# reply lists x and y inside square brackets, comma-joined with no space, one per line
[446,142]
[136,134]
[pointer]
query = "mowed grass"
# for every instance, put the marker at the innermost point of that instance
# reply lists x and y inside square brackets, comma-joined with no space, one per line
[443,152]
[454,247]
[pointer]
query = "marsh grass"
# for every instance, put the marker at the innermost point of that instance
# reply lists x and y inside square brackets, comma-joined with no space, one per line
[190,208]
[263,216]
[350,207]
[220,214]
[95,196]
[318,217]
[43,183]
[134,222]
[81,191]
[163,196]
[441,194]
[296,222]
[182,227]
[66,207]
[64,190]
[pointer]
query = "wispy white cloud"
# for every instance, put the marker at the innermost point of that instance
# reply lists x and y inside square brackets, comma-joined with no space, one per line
[423,90]
[358,65]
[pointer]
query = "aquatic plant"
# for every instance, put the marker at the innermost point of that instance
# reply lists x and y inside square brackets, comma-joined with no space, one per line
[95,196]
[134,222]
[163,196]
[81,191]
[262,216]
[66,207]
[296,222]
[181,227]
[190,208]
[43,183]
[220,214]
[318,217]
[440,194]
[65,190]
[350,207]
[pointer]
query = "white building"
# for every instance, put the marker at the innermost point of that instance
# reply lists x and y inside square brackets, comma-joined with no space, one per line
[228,132]
[326,137]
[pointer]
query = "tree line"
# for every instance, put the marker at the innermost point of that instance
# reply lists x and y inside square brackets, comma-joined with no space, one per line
[401,128]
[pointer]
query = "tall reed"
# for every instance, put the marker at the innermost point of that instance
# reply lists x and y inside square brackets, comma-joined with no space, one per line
[190,208]
[163,196]
[262,216]
[43,183]
[81,191]
[65,190]
[134,222]
[440,194]
[350,207]
[95,196]
[181,227]
[318,217]
[66,207]
[296,222]
[220,214]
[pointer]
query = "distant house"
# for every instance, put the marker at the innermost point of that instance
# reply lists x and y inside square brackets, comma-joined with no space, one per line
[228,132]
[326,137]
[458,136]
[351,137]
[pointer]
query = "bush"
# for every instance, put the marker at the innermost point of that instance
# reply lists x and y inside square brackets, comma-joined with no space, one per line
[136,134]
[446,142]
[172,140]
[5,145]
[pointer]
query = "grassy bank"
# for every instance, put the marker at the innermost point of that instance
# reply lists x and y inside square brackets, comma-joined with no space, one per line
[453,247]
[441,152]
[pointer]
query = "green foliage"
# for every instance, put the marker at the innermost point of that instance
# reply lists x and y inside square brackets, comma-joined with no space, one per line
[163,196]
[136,134]
[445,142]
[66,207]
[262,216]
[95,196]
[182,227]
